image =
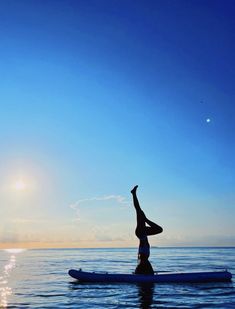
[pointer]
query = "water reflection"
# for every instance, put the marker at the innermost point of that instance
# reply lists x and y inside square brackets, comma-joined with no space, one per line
[145,294]
[5,290]
[14,250]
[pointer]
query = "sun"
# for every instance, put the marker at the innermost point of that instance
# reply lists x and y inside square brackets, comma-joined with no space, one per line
[20,185]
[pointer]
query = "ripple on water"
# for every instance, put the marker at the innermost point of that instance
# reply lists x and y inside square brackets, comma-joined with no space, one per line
[39,279]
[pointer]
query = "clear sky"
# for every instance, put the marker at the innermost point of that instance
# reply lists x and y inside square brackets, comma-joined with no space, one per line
[97,96]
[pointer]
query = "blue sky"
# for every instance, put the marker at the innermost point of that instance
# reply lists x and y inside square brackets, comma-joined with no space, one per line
[97,96]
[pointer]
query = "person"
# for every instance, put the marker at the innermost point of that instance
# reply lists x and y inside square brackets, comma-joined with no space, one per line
[142,231]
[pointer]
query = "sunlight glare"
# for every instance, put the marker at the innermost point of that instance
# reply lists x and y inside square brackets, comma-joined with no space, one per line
[20,185]
[14,250]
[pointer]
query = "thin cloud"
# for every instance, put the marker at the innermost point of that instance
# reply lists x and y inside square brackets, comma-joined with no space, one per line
[25,221]
[116,198]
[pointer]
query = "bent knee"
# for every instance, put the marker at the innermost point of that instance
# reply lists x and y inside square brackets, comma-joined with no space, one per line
[158,230]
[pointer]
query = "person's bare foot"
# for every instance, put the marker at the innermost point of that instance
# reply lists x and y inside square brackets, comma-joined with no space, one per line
[133,191]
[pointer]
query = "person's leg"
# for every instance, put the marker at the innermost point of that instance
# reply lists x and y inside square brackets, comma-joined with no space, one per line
[142,229]
[153,228]
[135,199]
[140,216]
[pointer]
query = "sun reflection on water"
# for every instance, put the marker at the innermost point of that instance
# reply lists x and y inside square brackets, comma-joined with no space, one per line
[14,250]
[5,290]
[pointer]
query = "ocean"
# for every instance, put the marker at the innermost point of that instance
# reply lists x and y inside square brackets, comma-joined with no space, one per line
[39,279]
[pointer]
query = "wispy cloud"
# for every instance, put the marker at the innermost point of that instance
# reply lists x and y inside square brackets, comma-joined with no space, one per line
[185,240]
[25,221]
[121,200]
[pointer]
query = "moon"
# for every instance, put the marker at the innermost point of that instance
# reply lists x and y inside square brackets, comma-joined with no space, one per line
[208,120]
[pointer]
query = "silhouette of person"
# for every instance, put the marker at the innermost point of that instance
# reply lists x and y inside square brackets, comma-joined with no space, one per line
[142,232]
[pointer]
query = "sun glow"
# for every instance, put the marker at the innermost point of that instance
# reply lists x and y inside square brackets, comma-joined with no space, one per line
[20,185]
[14,250]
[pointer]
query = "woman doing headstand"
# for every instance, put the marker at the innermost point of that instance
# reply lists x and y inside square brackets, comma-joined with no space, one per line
[142,232]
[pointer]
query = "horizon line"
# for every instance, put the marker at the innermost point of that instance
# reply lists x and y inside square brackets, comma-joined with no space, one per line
[130,247]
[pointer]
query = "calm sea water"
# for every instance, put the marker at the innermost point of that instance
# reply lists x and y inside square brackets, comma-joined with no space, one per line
[39,279]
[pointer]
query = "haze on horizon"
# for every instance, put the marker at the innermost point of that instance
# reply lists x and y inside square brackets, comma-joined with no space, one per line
[98,96]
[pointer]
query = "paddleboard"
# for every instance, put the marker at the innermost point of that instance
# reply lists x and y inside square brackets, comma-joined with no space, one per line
[160,277]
